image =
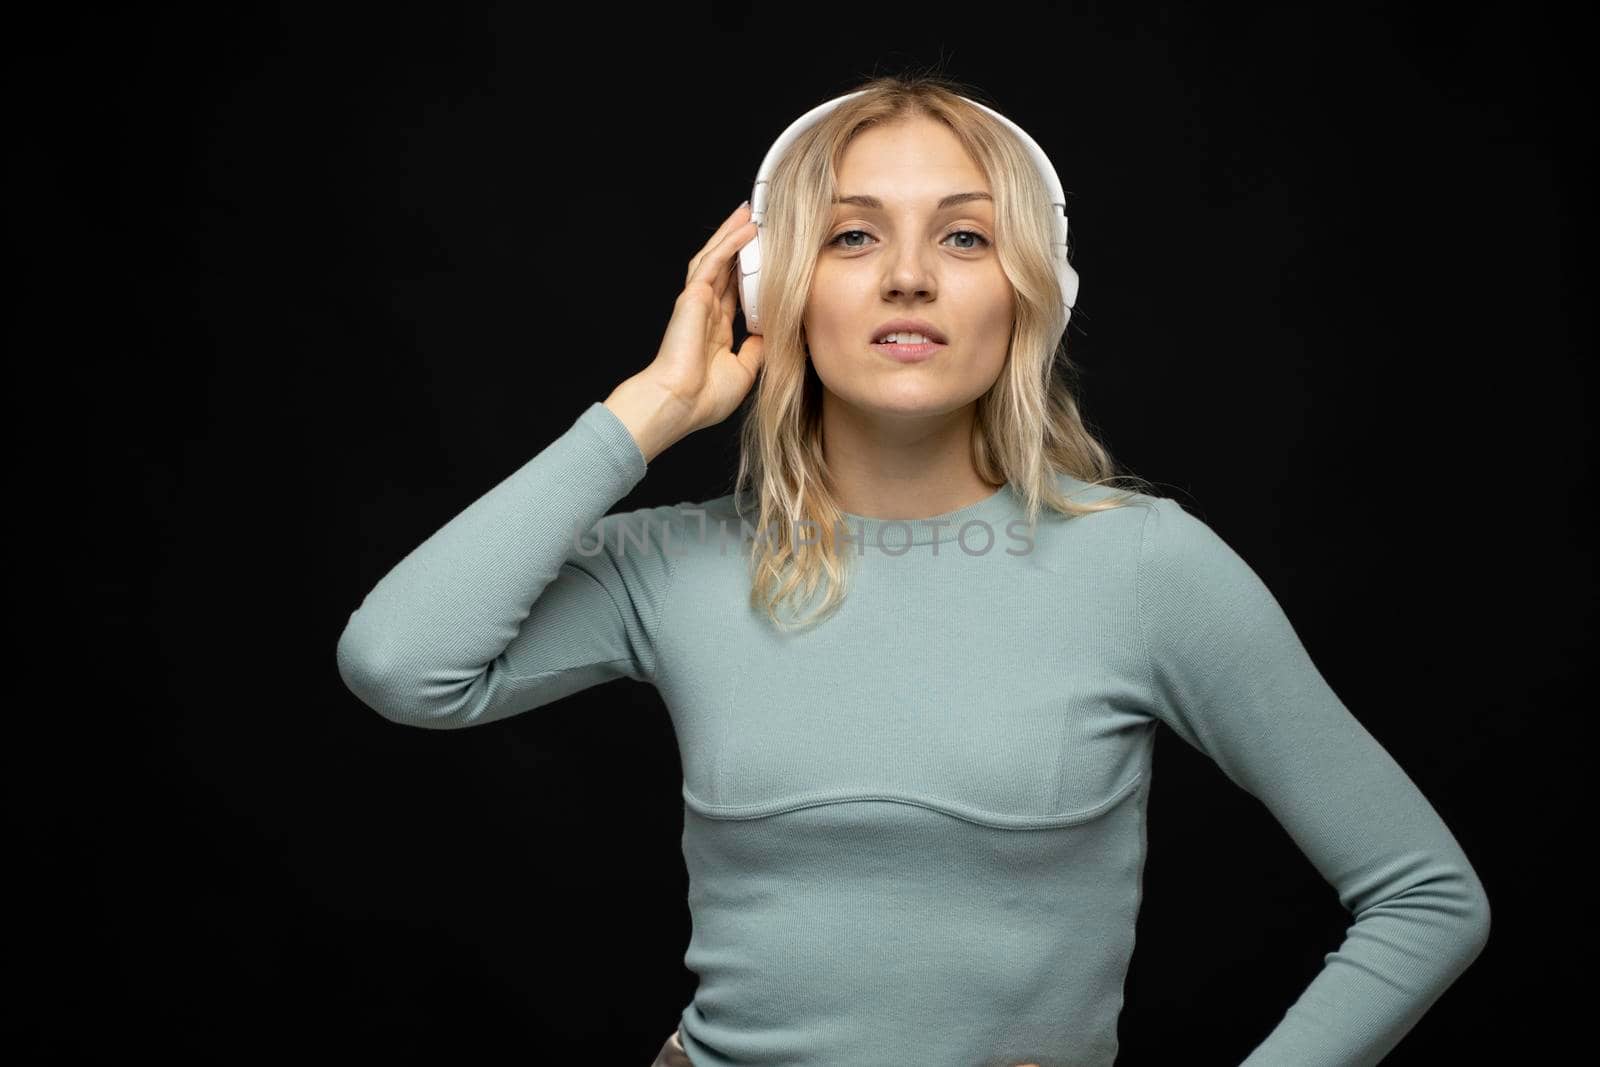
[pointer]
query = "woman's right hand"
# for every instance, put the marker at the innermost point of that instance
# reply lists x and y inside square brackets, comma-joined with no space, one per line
[703,379]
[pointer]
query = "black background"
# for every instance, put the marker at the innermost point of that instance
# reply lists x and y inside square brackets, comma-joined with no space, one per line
[299,283]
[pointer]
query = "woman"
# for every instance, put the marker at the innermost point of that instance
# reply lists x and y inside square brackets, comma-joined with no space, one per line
[915,816]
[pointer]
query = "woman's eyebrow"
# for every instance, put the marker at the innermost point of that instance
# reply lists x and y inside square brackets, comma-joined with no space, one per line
[950,201]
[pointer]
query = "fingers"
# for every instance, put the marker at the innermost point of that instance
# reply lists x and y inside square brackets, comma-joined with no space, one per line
[740,214]
[727,302]
[717,264]
[725,281]
[734,222]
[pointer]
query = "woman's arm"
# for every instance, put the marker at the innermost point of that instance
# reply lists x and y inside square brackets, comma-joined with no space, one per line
[517,601]
[1230,676]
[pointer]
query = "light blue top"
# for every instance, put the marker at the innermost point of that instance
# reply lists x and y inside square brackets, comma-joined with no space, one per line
[916,833]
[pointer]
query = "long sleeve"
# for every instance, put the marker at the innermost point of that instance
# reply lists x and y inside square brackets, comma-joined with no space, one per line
[531,593]
[1230,676]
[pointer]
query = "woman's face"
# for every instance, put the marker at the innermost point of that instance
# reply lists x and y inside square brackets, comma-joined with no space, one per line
[909,258]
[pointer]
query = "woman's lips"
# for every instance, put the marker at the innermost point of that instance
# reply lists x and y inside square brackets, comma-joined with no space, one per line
[909,353]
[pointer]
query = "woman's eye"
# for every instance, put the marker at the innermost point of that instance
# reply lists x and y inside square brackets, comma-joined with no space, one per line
[839,239]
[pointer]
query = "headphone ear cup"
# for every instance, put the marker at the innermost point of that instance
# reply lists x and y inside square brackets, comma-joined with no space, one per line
[750,282]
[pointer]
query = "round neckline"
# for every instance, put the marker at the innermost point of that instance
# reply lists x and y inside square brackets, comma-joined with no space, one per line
[995,510]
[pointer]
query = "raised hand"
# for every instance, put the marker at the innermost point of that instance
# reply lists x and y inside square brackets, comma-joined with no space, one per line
[696,379]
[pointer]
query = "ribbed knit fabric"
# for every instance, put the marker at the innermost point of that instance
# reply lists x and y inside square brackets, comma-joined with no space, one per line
[916,833]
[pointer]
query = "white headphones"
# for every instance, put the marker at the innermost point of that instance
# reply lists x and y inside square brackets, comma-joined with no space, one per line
[750,254]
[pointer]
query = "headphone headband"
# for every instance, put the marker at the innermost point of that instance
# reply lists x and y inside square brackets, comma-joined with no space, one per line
[750,253]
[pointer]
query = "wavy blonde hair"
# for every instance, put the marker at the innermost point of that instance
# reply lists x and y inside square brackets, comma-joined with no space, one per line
[1027,429]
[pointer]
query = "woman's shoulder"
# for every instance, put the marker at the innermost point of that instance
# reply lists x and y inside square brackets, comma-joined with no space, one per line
[1118,504]
[675,528]
[1162,531]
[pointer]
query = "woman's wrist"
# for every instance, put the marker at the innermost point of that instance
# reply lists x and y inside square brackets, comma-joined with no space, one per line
[652,415]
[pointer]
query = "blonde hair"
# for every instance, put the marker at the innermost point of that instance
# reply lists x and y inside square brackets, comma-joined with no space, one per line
[1027,430]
